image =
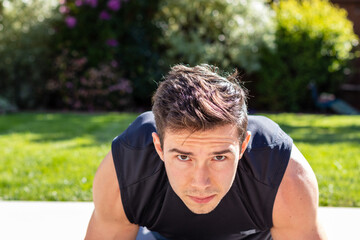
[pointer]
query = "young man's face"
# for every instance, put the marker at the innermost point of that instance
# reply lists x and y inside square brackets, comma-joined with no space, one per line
[201,166]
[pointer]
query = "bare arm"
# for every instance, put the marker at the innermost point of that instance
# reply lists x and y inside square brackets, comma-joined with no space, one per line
[108,220]
[295,208]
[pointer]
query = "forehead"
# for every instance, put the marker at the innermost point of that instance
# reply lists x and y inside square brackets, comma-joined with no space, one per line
[226,134]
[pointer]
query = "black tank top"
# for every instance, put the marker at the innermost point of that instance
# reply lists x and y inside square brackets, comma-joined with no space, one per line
[244,213]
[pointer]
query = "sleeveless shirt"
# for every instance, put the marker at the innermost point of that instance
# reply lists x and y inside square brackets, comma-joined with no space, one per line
[245,212]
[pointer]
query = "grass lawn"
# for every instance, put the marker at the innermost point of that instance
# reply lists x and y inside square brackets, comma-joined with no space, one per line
[331,144]
[53,156]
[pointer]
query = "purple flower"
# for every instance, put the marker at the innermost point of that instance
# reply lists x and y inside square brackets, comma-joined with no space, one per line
[114,5]
[104,15]
[123,85]
[64,9]
[69,84]
[79,62]
[92,3]
[78,3]
[62,2]
[114,64]
[112,42]
[70,21]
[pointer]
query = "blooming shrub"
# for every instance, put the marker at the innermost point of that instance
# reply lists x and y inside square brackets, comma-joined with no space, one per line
[224,33]
[88,88]
[104,32]
[314,40]
[87,28]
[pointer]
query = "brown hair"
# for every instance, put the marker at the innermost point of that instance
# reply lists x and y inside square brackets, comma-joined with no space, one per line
[197,98]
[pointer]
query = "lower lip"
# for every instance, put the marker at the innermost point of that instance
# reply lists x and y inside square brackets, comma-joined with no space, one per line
[202,200]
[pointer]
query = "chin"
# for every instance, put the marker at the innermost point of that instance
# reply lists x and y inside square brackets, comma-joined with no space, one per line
[201,209]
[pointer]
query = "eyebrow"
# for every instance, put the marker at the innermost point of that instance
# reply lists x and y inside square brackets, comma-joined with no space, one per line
[181,152]
[222,152]
[190,153]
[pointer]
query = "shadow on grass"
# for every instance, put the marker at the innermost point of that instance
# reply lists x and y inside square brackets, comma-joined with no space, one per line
[323,135]
[49,127]
[102,128]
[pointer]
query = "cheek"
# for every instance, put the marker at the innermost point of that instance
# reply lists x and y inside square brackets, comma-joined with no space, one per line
[225,174]
[176,174]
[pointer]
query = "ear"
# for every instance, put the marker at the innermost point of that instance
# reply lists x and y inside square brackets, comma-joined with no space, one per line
[157,144]
[245,142]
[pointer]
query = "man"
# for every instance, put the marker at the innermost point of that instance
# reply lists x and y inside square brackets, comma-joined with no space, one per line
[197,167]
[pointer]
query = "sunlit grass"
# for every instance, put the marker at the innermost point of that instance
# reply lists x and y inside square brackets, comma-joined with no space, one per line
[331,144]
[54,156]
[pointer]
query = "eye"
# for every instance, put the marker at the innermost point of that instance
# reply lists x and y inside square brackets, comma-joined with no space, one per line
[219,158]
[183,157]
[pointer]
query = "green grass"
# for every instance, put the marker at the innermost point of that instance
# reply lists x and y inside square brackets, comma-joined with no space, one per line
[54,156]
[331,144]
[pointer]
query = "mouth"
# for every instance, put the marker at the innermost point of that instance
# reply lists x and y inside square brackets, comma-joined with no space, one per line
[202,200]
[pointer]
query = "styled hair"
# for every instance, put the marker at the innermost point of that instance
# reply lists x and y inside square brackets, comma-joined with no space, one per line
[198,98]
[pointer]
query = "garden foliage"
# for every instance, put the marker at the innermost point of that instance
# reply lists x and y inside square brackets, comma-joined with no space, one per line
[93,88]
[227,34]
[25,51]
[110,54]
[314,40]
[115,38]
[143,38]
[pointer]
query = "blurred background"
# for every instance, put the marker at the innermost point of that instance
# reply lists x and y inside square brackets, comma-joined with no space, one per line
[101,55]
[75,73]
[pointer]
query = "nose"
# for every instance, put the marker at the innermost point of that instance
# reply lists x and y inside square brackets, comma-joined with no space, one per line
[201,177]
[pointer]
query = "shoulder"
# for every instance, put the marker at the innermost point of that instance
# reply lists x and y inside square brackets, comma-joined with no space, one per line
[265,132]
[139,170]
[138,134]
[133,152]
[268,152]
[296,203]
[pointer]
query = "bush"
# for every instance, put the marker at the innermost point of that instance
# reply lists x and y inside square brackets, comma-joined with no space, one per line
[81,87]
[314,40]
[25,33]
[227,34]
[105,32]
